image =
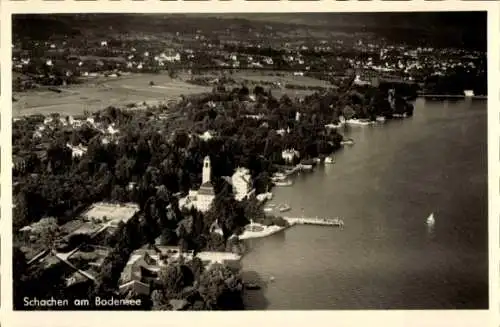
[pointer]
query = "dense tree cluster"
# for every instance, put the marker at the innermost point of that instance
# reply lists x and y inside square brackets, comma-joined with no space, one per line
[214,288]
[455,82]
[153,153]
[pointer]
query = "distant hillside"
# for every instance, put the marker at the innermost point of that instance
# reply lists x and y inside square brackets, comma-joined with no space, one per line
[458,29]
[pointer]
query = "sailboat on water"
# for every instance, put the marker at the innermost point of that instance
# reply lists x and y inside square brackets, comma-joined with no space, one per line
[431,220]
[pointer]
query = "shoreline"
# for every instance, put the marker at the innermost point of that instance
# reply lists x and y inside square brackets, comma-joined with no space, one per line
[265,232]
[292,221]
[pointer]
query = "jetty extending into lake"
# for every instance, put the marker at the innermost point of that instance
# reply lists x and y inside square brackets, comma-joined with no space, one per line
[336,222]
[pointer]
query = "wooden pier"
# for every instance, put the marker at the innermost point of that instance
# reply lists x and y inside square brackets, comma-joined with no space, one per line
[336,222]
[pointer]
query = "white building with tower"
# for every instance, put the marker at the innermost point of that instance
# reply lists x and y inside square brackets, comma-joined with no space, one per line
[202,198]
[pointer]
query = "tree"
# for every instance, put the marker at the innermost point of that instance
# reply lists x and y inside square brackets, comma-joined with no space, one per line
[174,278]
[159,300]
[221,289]
[348,112]
[46,230]
[259,90]
[19,268]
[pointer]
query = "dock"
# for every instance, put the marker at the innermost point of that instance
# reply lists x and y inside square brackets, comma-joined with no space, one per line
[335,222]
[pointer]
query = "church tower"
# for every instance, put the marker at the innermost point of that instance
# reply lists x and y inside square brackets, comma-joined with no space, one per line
[207,170]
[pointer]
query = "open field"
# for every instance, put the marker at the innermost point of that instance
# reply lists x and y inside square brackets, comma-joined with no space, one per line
[99,93]
[279,77]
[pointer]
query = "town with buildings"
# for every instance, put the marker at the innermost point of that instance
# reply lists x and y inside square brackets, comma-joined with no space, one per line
[149,203]
[183,50]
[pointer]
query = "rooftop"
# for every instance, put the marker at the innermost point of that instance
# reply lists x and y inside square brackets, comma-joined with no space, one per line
[206,189]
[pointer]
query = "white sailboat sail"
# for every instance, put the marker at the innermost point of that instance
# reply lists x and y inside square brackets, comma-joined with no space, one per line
[431,220]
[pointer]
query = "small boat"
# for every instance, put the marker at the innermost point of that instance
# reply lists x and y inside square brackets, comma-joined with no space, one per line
[268,209]
[291,170]
[334,126]
[359,122]
[252,286]
[329,160]
[431,220]
[308,162]
[284,208]
[264,196]
[347,142]
[306,167]
[283,183]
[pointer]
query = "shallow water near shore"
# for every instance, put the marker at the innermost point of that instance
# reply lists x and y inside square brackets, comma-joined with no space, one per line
[384,187]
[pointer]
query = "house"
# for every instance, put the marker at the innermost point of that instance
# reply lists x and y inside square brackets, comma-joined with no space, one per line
[469,93]
[206,136]
[281,132]
[144,265]
[289,155]
[242,185]
[111,130]
[77,151]
[136,287]
[91,121]
[268,60]
[256,117]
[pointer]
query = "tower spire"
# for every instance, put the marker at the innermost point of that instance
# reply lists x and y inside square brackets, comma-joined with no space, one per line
[207,170]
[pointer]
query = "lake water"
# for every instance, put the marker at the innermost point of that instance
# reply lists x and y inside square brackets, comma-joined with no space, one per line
[384,187]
